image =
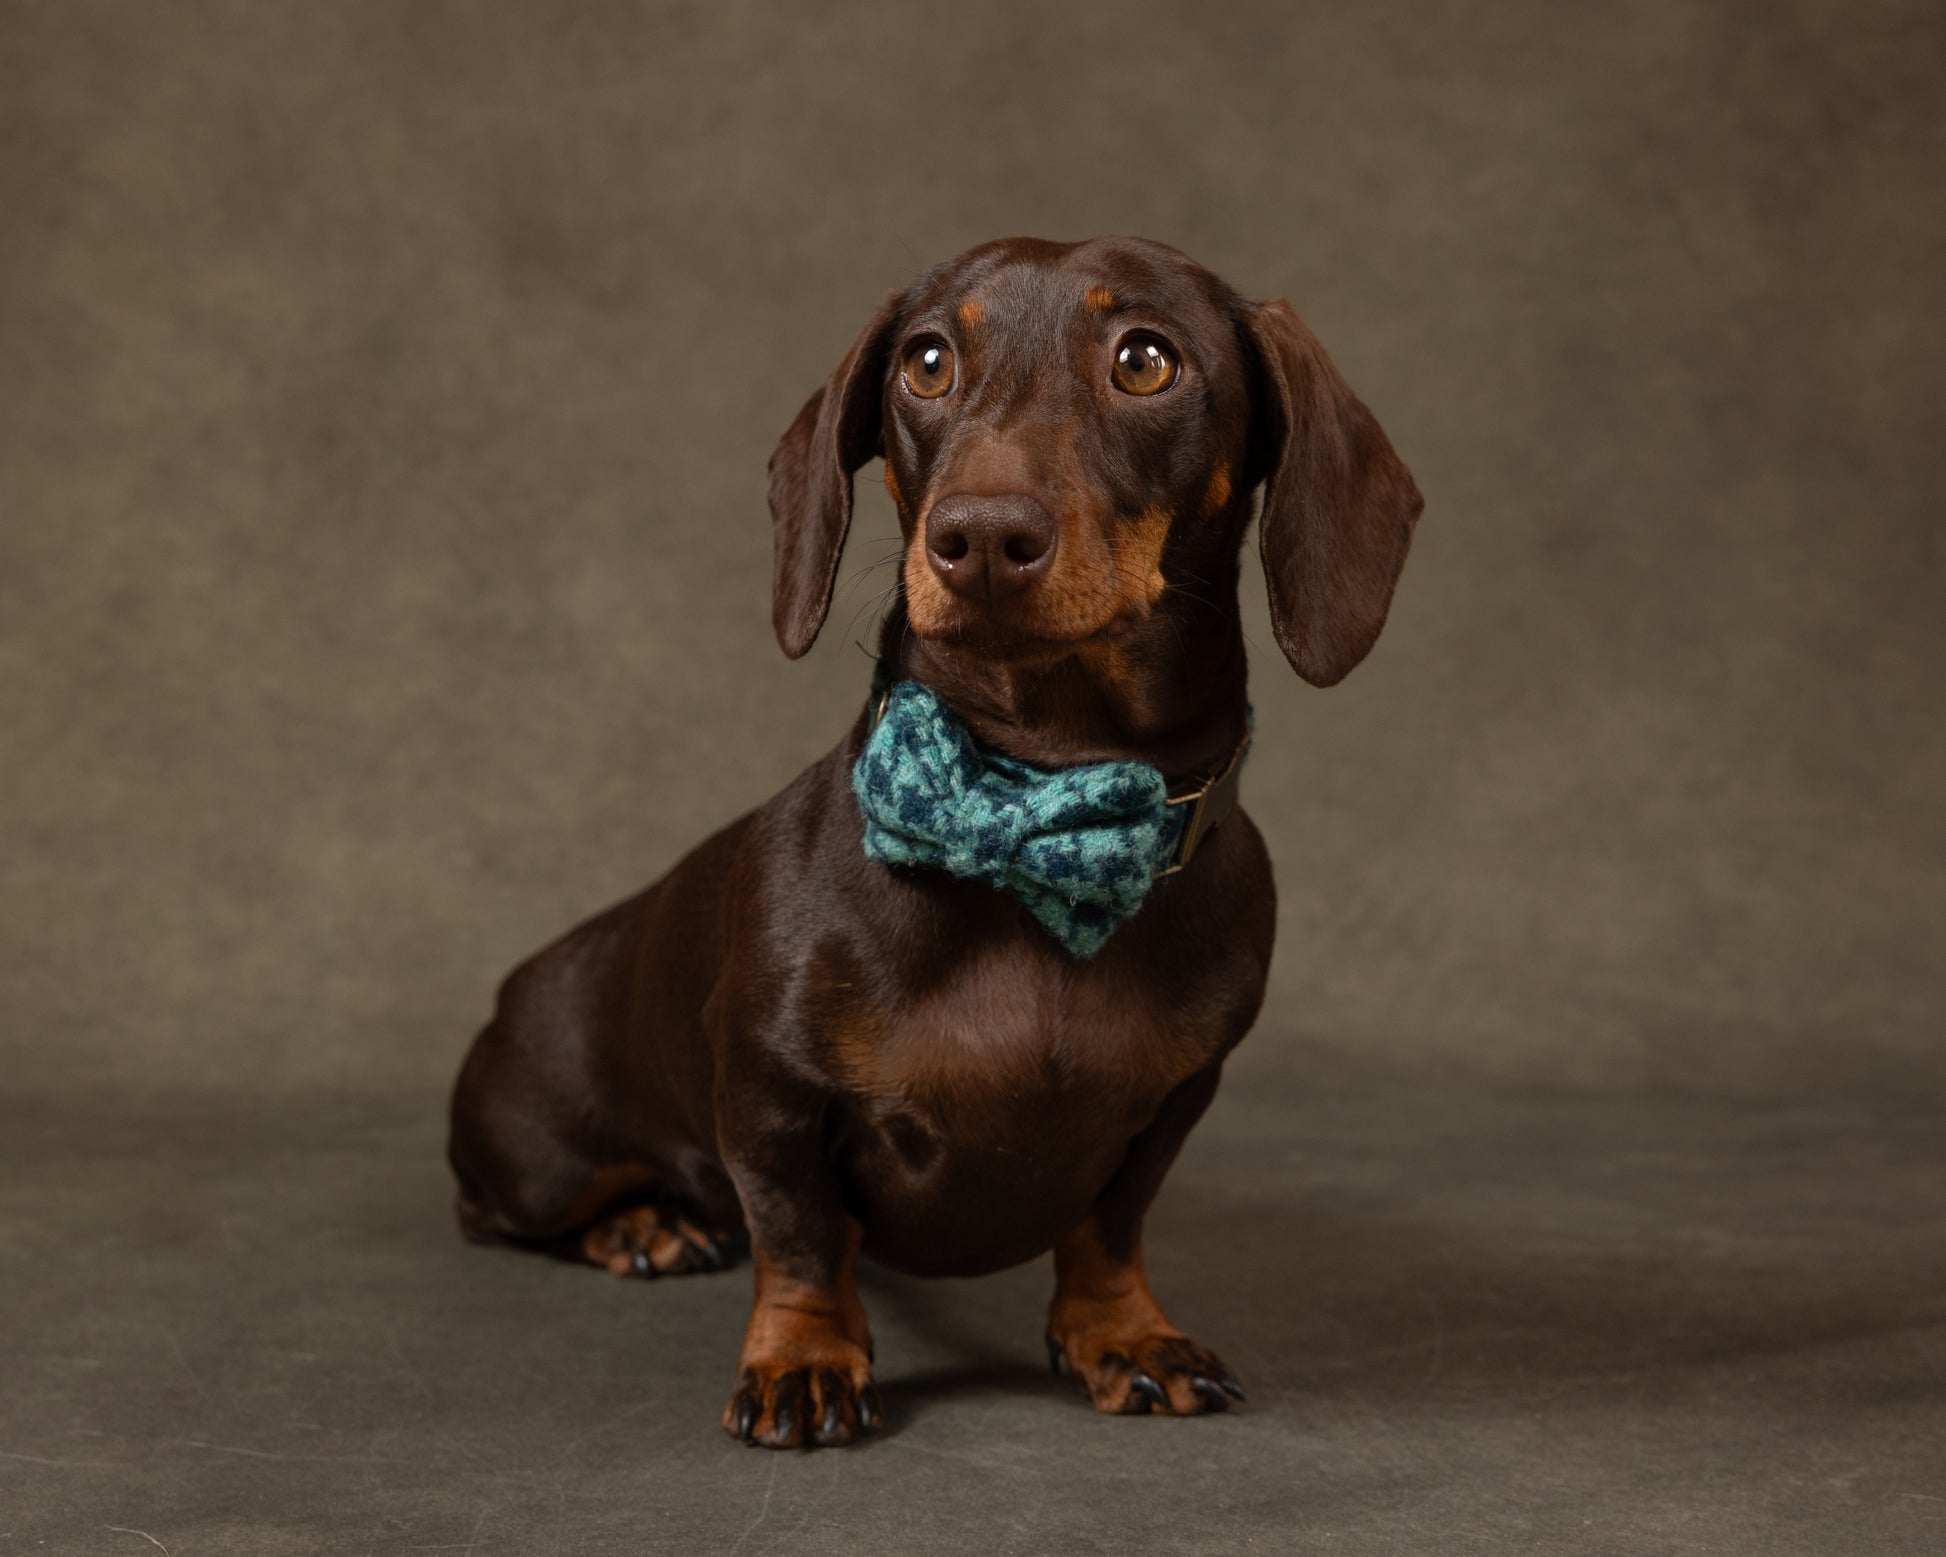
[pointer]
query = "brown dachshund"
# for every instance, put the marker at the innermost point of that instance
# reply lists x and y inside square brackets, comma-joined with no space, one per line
[786,1041]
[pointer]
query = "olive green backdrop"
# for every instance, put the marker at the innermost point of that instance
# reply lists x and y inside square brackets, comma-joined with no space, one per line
[385,391]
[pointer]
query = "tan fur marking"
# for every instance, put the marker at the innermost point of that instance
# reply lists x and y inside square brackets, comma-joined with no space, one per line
[1140,560]
[1219,489]
[1101,299]
[1102,1305]
[928,603]
[972,314]
[1108,1330]
[815,1331]
[1137,583]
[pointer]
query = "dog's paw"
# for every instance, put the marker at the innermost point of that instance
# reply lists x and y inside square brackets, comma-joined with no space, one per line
[792,1403]
[650,1241]
[1133,1375]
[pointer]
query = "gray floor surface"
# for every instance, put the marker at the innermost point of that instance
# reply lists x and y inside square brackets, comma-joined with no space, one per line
[1467,1323]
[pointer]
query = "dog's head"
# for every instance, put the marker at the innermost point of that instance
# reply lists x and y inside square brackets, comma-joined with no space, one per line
[1071,430]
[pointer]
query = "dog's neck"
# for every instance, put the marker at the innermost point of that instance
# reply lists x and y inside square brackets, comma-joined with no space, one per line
[1170,691]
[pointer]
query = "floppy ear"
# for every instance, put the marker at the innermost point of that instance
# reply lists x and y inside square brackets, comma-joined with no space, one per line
[1339,505]
[810,482]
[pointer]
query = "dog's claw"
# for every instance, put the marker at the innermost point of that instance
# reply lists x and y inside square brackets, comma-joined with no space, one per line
[804,1407]
[650,1240]
[1159,1375]
[791,1395]
[832,1428]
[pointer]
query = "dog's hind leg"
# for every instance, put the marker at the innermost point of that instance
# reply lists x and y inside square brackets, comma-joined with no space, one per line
[546,1153]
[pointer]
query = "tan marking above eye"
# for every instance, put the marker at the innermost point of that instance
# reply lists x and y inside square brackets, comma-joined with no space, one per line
[1101,299]
[972,313]
[1144,365]
[929,369]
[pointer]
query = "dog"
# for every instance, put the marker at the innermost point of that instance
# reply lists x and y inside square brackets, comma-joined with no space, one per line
[793,1044]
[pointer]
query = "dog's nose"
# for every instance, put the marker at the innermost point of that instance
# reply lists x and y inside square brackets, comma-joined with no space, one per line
[989,547]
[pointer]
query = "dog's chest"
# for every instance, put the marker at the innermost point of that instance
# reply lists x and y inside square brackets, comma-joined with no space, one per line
[998,1049]
[987,1114]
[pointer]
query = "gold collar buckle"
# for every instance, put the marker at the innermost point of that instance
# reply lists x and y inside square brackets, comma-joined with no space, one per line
[1213,800]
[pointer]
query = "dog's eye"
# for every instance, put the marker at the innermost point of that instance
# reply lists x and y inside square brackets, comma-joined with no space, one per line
[1144,366]
[929,369]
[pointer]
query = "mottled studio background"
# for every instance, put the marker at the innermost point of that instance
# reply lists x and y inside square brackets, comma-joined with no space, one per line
[385,391]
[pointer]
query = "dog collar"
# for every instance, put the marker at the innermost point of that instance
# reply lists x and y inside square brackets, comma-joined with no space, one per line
[1079,847]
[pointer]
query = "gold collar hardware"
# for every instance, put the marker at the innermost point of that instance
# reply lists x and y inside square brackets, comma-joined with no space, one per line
[1213,801]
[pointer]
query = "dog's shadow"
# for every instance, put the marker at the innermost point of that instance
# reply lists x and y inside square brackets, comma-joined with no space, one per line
[1310,1301]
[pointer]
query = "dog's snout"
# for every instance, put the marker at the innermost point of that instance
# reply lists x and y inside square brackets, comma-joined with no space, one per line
[989,547]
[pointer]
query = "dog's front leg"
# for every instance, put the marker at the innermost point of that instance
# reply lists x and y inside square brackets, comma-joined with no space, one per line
[805,1374]
[1105,1326]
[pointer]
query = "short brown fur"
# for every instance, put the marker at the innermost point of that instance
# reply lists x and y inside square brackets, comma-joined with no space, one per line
[786,1041]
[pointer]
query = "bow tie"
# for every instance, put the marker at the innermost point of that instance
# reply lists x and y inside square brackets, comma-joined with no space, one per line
[1079,847]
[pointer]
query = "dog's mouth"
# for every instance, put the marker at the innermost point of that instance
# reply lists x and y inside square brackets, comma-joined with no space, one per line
[1071,608]
[1022,635]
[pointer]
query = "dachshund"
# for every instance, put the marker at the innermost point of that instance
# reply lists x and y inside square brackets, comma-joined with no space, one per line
[790,1047]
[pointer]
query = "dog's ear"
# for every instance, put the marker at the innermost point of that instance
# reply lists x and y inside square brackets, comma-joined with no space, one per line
[810,482]
[1338,507]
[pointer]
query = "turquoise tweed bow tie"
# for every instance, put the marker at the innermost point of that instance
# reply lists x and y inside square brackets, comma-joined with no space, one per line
[1080,847]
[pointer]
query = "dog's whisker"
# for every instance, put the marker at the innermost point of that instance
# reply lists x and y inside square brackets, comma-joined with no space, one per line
[875,603]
